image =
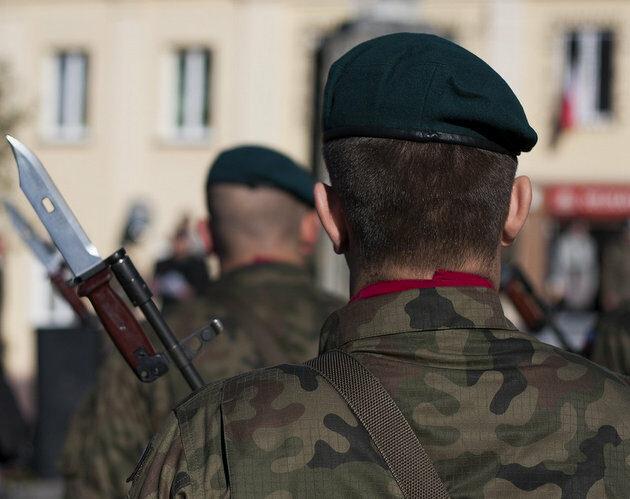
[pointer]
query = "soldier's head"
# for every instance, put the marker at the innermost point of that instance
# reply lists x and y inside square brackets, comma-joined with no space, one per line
[260,205]
[420,141]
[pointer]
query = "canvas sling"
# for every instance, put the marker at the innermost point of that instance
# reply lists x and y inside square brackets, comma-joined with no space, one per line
[395,439]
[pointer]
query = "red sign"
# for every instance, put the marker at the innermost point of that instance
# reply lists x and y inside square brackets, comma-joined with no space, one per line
[608,202]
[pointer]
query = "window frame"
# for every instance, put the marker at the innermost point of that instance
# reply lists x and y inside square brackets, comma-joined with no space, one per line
[595,117]
[175,97]
[59,123]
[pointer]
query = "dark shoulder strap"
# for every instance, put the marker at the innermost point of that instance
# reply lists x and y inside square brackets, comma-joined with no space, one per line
[392,434]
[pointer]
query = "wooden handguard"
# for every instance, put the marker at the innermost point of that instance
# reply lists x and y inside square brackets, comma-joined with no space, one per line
[532,314]
[122,326]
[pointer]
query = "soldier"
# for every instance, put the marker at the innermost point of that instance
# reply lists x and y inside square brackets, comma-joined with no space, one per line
[13,427]
[611,346]
[183,274]
[263,229]
[616,271]
[420,140]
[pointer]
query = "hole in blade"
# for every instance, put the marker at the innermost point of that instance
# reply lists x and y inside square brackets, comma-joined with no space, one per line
[48,205]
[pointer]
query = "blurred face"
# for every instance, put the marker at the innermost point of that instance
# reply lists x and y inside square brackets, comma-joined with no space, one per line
[180,247]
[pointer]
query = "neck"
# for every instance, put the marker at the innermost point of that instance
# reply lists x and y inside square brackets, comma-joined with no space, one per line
[232,263]
[360,278]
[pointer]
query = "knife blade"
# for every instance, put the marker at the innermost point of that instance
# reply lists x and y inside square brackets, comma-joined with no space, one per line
[64,229]
[50,259]
[91,272]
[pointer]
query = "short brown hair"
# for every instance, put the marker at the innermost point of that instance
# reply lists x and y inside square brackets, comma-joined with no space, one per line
[262,217]
[422,205]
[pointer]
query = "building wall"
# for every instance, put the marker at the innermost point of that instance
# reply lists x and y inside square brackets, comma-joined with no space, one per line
[521,39]
[261,91]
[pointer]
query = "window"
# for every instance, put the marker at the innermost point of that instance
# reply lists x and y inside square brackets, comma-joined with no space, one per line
[66,99]
[587,77]
[191,115]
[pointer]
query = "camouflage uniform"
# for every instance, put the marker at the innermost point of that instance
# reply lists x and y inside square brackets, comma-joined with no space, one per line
[616,270]
[271,312]
[499,413]
[611,347]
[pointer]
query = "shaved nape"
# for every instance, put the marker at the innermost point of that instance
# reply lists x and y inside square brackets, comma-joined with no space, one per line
[246,220]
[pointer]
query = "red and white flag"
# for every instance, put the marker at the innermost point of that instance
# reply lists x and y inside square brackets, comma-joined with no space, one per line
[586,83]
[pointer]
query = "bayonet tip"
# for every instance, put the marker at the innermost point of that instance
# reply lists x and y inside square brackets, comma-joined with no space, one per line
[16,145]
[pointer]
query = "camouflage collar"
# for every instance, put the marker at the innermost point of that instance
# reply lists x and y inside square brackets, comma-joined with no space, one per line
[415,310]
[266,271]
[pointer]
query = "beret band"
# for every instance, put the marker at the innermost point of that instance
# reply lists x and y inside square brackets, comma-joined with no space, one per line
[413,135]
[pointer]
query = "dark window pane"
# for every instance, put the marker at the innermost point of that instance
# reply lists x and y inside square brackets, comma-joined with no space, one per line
[206,86]
[61,94]
[181,85]
[604,98]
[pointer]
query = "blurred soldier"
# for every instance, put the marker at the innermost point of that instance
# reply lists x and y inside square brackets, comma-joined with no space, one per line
[616,271]
[263,229]
[574,271]
[611,347]
[183,275]
[13,427]
[420,140]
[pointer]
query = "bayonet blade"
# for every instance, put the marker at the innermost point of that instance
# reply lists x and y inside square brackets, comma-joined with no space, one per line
[50,258]
[63,227]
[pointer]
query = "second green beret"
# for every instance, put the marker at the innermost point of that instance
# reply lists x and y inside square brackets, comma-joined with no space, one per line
[425,88]
[261,166]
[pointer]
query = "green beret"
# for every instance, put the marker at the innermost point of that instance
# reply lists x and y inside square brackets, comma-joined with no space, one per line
[260,166]
[424,88]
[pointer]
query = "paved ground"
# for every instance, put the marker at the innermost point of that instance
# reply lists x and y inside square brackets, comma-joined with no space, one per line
[40,489]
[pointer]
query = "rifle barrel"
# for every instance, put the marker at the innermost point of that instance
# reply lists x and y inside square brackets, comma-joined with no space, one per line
[140,295]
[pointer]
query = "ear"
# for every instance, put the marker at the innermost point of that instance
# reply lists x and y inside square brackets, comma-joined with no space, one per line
[328,206]
[519,208]
[309,229]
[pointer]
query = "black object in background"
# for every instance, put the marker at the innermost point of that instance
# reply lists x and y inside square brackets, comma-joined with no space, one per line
[68,361]
[13,427]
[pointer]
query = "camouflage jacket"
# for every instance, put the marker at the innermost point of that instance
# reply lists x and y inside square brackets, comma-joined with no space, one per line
[611,347]
[272,313]
[499,413]
[616,271]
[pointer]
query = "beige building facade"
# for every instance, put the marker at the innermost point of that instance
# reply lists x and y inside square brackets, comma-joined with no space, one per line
[164,85]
